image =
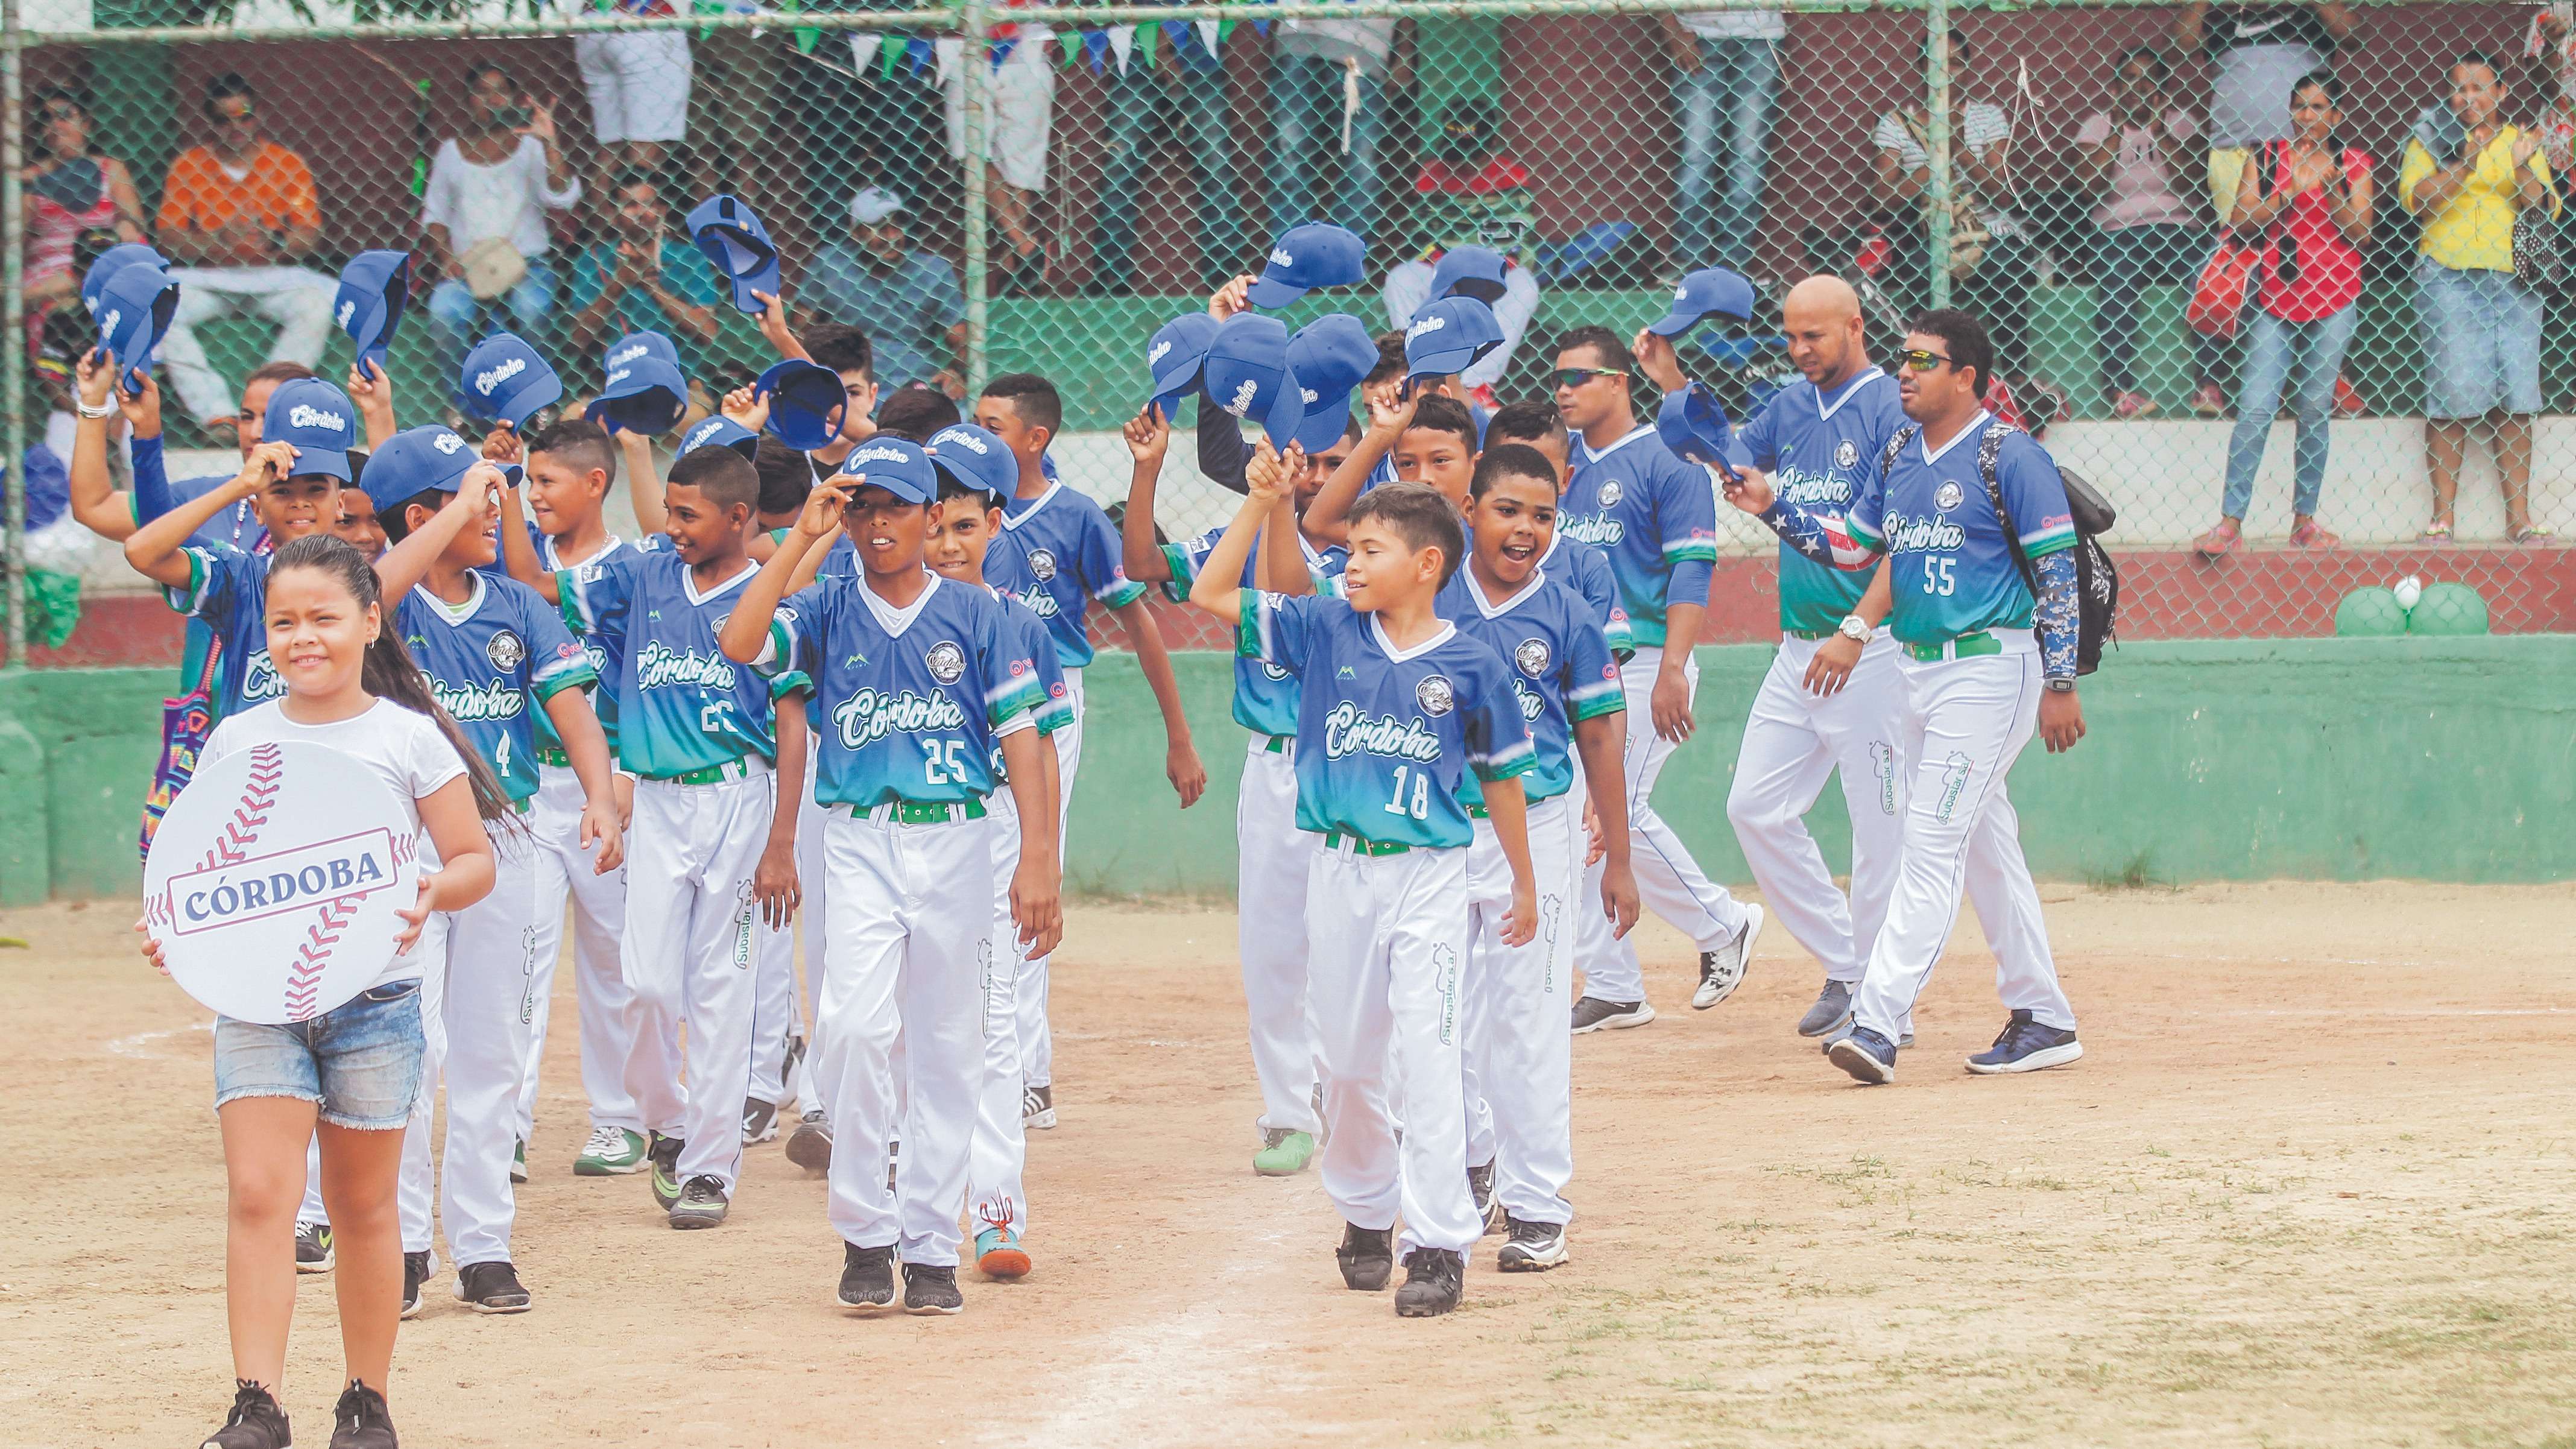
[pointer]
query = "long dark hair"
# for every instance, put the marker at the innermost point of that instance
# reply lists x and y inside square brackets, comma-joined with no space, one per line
[389,672]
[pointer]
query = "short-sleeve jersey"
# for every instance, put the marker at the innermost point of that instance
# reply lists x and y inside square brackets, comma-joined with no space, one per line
[1559,661]
[1057,553]
[1586,570]
[1386,737]
[227,590]
[1027,635]
[1265,694]
[1819,451]
[1653,514]
[1953,571]
[605,647]
[682,706]
[493,661]
[914,701]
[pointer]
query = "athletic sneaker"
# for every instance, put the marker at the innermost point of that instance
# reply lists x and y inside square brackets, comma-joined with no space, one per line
[1284,1152]
[491,1288]
[1831,1013]
[256,1422]
[1489,1210]
[1433,1279]
[929,1290]
[759,1121]
[1532,1247]
[701,1204]
[1037,1107]
[867,1278]
[1722,970]
[313,1248]
[664,1177]
[1367,1256]
[611,1152]
[1869,1057]
[998,1254]
[810,1145]
[519,1162]
[360,1420]
[791,1073]
[1594,1014]
[415,1273]
[2026,1046]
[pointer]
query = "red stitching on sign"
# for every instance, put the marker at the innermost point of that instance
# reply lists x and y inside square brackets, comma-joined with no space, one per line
[304,981]
[259,796]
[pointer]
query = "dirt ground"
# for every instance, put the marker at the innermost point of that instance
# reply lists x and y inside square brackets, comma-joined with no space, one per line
[2311,1185]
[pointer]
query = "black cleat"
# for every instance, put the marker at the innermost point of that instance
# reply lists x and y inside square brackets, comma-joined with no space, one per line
[491,1288]
[1367,1256]
[929,1290]
[867,1279]
[1433,1279]
[415,1273]
[313,1252]
[256,1422]
[1037,1108]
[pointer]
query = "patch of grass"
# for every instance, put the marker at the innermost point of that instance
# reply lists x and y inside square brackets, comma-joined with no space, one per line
[2138,875]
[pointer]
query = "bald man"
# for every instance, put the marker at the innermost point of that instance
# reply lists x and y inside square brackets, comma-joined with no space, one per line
[1831,699]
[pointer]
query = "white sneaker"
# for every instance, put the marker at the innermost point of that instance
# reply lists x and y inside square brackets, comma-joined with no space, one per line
[1722,970]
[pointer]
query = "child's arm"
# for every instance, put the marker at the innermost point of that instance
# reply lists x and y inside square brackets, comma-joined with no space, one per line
[746,629]
[1508,809]
[577,725]
[1149,437]
[774,884]
[93,492]
[519,552]
[1180,757]
[465,873]
[775,331]
[1601,741]
[373,391]
[1219,586]
[476,504]
[1282,566]
[643,484]
[1389,416]
[1037,904]
[159,549]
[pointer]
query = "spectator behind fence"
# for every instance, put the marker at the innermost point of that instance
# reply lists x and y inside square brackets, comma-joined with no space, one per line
[642,279]
[237,216]
[1149,102]
[2256,54]
[483,218]
[2310,198]
[2134,157]
[1472,195]
[906,300]
[867,116]
[72,188]
[1019,89]
[2466,176]
[1726,88]
[1329,81]
[638,82]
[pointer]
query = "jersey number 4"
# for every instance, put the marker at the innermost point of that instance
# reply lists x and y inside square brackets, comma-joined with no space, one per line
[1420,809]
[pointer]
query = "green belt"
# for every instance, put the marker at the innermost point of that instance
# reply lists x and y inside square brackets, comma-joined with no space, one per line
[930,812]
[1335,840]
[1275,745]
[555,757]
[522,807]
[737,768]
[1479,811]
[1812,636]
[1966,646]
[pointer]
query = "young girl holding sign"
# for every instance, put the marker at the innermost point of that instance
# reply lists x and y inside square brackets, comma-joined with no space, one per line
[352,686]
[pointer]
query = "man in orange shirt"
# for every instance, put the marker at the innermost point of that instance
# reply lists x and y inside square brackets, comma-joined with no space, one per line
[237,217]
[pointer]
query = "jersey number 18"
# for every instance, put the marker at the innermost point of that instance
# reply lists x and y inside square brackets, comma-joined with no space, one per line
[1421,806]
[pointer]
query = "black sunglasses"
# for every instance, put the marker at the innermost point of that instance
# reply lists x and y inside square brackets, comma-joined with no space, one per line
[1578,376]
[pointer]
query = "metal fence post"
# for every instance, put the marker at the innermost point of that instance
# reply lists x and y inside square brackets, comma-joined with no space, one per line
[1936,140]
[974,95]
[13,310]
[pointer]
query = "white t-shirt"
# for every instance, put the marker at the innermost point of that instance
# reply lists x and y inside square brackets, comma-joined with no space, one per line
[1737,24]
[507,199]
[1981,127]
[405,750]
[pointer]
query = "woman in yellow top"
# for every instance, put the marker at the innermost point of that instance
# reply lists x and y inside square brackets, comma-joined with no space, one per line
[2481,326]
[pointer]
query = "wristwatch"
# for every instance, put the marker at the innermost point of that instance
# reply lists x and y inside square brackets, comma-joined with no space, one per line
[1854,628]
[2061,684]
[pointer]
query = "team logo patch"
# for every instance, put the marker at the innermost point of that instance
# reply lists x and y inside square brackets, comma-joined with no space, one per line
[1042,565]
[1947,497]
[1531,657]
[1610,494]
[507,651]
[1845,454]
[946,661]
[1435,694]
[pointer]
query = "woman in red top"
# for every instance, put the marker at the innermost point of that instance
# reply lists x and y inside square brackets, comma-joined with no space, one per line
[2310,200]
[70,189]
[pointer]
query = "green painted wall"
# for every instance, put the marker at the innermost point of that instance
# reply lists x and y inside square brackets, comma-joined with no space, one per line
[2310,759]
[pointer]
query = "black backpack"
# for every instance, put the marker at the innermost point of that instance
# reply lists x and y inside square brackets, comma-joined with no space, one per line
[2097,579]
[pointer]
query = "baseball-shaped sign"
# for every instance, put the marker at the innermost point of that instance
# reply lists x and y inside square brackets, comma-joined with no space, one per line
[273,882]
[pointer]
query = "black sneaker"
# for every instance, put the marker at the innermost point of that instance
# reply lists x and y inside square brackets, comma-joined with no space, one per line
[1037,1107]
[759,1121]
[1533,1247]
[1367,1256]
[360,1420]
[491,1288]
[1480,1186]
[1433,1279]
[256,1422]
[810,1145]
[664,1172]
[313,1248]
[701,1204]
[1594,1014]
[415,1273]
[867,1279]
[928,1290]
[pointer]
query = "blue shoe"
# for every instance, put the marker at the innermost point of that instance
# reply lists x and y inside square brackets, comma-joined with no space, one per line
[998,1254]
[2026,1046]
[1869,1057]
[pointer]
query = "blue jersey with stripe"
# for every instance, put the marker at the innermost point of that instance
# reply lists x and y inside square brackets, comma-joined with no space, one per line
[227,592]
[1026,634]
[1265,694]
[1654,515]
[1560,670]
[1953,572]
[916,700]
[682,706]
[1387,737]
[1058,553]
[1819,450]
[493,661]
[1586,571]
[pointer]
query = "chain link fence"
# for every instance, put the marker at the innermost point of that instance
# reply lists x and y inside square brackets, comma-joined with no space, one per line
[2064,169]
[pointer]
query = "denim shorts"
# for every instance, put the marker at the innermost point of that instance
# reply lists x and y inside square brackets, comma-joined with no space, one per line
[359,1064]
[2481,341]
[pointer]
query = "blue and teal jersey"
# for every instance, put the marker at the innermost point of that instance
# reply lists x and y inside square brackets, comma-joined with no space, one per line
[1654,515]
[1028,634]
[915,701]
[1587,571]
[1953,571]
[682,706]
[1265,694]
[1819,450]
[1387,737]
[1058,553]
[227,593]
[604,647]
[1561,672]
[493,661]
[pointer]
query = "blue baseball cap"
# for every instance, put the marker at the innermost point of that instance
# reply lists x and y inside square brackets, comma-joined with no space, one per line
[504,380]
[724,432]
[110,262]
[375,291]
[975,459]
[418,460]
[805,403]
[317,420]
[1318,254]
[1448,336]
[1469,272]
[1248,375]
[899,467]
[1330,356]
[645,396]
[739,246]
[1176,356]
[134,312]
[1692,424]
[1710,291]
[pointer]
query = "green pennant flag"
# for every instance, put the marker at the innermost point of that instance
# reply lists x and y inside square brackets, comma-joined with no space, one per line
[807,37]
[1225,30]
[890,50]
[1145,44]
[1068,44]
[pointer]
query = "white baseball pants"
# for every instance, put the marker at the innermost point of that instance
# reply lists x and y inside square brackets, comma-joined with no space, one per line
[911,921]
[1964,722]
[997,1161]
[606,1004]
[416,1191]
[1793,740]
[688,950]
[489,1011]
[1037,1039]
[813,880]
[1387,941]
[1519,1056]
[1274,860]
[1669,882]
[774,1007]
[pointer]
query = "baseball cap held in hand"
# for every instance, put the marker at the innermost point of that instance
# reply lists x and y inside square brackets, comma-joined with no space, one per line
[427,459]
[1448,336]
[975,459]
[504,380]
[1330,356]
[1318,254]
[375,291]
[1248,375]
[1708,292]
[1469,272]
[805,403]
[134,312]
[739,246]
[317,420]
[110,262]
[1692,424]
[1175,357]
[722,432]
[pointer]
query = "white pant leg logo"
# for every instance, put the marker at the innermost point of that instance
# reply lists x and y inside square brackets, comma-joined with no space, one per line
[1444,968]
[1954,780]
[1882,762]
[1550,909]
